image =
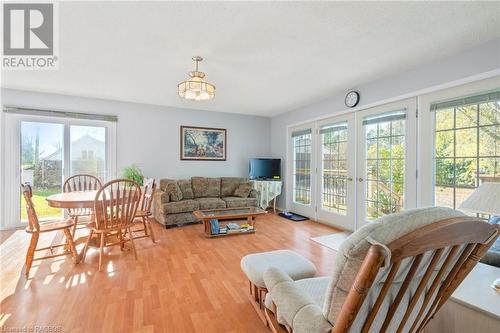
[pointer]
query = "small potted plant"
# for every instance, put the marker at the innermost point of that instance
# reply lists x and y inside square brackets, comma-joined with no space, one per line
[134,173]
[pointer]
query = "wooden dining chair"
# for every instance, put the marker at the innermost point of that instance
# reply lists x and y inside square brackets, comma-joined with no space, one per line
[80,183]
[115,206]
[144,211]
[35,228]
[390,276]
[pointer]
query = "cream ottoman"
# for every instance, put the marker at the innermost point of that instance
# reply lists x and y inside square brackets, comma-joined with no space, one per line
[254,265]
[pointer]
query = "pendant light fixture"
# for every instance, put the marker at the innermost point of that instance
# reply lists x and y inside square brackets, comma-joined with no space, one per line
[196,88]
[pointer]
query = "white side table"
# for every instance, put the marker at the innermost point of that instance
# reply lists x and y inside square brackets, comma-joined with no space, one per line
[268,191]
[473,307]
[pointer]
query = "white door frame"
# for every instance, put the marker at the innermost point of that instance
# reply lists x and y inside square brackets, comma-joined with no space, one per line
[12,150]
[346,222]
[410,195]
[306,210]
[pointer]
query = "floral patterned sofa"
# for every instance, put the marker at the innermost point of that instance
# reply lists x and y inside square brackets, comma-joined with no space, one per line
[176,200]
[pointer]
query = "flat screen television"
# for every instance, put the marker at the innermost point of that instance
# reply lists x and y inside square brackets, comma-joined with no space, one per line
[265,168]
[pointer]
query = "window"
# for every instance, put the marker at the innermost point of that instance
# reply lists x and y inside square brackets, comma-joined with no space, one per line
[385,163]
[334,158]
[302,166]
[466,146]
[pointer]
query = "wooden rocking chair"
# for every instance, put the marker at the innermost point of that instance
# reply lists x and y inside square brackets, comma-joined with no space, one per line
[390,276]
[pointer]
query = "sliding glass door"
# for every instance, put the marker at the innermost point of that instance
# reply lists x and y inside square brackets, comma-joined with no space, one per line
[44,151]
[42,158]
[337,171]
[386,167]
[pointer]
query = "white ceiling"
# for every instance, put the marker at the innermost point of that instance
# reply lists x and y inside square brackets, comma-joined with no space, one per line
[264,57]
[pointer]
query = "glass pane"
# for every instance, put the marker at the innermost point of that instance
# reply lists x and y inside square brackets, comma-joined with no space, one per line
[41,164]
[334,156]
[489,170]
[489,140]
[466,116]
[465,172]
[444,119]
[385,169]
[466,142]
[88,151]
[445,171]
[489,113]
[444,196]
[302,169]
[445,144]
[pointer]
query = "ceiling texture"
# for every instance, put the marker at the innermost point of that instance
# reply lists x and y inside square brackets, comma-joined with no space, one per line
[265,58]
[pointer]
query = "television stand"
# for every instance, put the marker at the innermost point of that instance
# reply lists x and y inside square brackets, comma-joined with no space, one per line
[268,190]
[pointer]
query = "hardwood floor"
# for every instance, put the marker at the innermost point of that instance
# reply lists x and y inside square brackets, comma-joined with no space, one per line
[183,283]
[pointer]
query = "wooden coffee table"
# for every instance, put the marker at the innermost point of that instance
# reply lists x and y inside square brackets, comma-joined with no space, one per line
[226,215]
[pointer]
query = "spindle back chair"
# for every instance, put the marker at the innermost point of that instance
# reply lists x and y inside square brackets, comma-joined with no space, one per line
[80,183]
[144,210]
[35,228]
[115,207]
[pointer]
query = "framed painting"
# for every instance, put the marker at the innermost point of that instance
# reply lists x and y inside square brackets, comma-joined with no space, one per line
[203,143]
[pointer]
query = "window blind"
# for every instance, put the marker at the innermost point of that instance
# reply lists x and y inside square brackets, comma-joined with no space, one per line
[332,128]
[301,132]
[60,114]
[385,117]
[476,99]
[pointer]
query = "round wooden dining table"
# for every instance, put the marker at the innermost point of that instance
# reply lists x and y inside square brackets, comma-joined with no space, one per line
[69,200]
[73,200]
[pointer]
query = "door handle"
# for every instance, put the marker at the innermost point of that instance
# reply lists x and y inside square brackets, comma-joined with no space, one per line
[360,179]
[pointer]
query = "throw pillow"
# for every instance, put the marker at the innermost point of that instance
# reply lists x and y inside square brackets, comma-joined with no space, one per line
[175,192]
[243,191]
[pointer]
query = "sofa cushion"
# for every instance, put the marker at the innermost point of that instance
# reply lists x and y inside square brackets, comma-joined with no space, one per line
[211,203]
[175,192]
[229,184]
[243,190]
[205,187]
[164,183]
[186,188]
[234,202]
[182,206]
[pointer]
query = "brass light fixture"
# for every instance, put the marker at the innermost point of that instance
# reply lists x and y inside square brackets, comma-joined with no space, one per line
[195,88]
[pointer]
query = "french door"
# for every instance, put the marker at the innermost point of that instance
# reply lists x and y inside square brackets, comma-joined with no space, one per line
[353,168]
[44,151]
[336,171]
[386,164]
[302,172]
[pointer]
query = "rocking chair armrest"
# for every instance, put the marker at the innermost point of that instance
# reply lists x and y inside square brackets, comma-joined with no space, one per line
[294,306]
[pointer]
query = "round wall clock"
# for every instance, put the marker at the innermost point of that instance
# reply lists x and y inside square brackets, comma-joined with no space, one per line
[352,99]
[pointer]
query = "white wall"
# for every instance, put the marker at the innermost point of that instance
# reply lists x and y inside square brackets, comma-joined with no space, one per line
[478,62]
[148,135]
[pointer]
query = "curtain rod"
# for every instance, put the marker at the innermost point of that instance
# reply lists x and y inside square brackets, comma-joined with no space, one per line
[60,114]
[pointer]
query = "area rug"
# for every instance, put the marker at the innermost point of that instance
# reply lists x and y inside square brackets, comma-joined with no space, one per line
[332,241]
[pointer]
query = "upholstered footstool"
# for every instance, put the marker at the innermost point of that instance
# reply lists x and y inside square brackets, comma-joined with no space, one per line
[254,265]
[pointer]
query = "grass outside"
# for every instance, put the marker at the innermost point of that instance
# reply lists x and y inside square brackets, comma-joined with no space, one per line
[42,208]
